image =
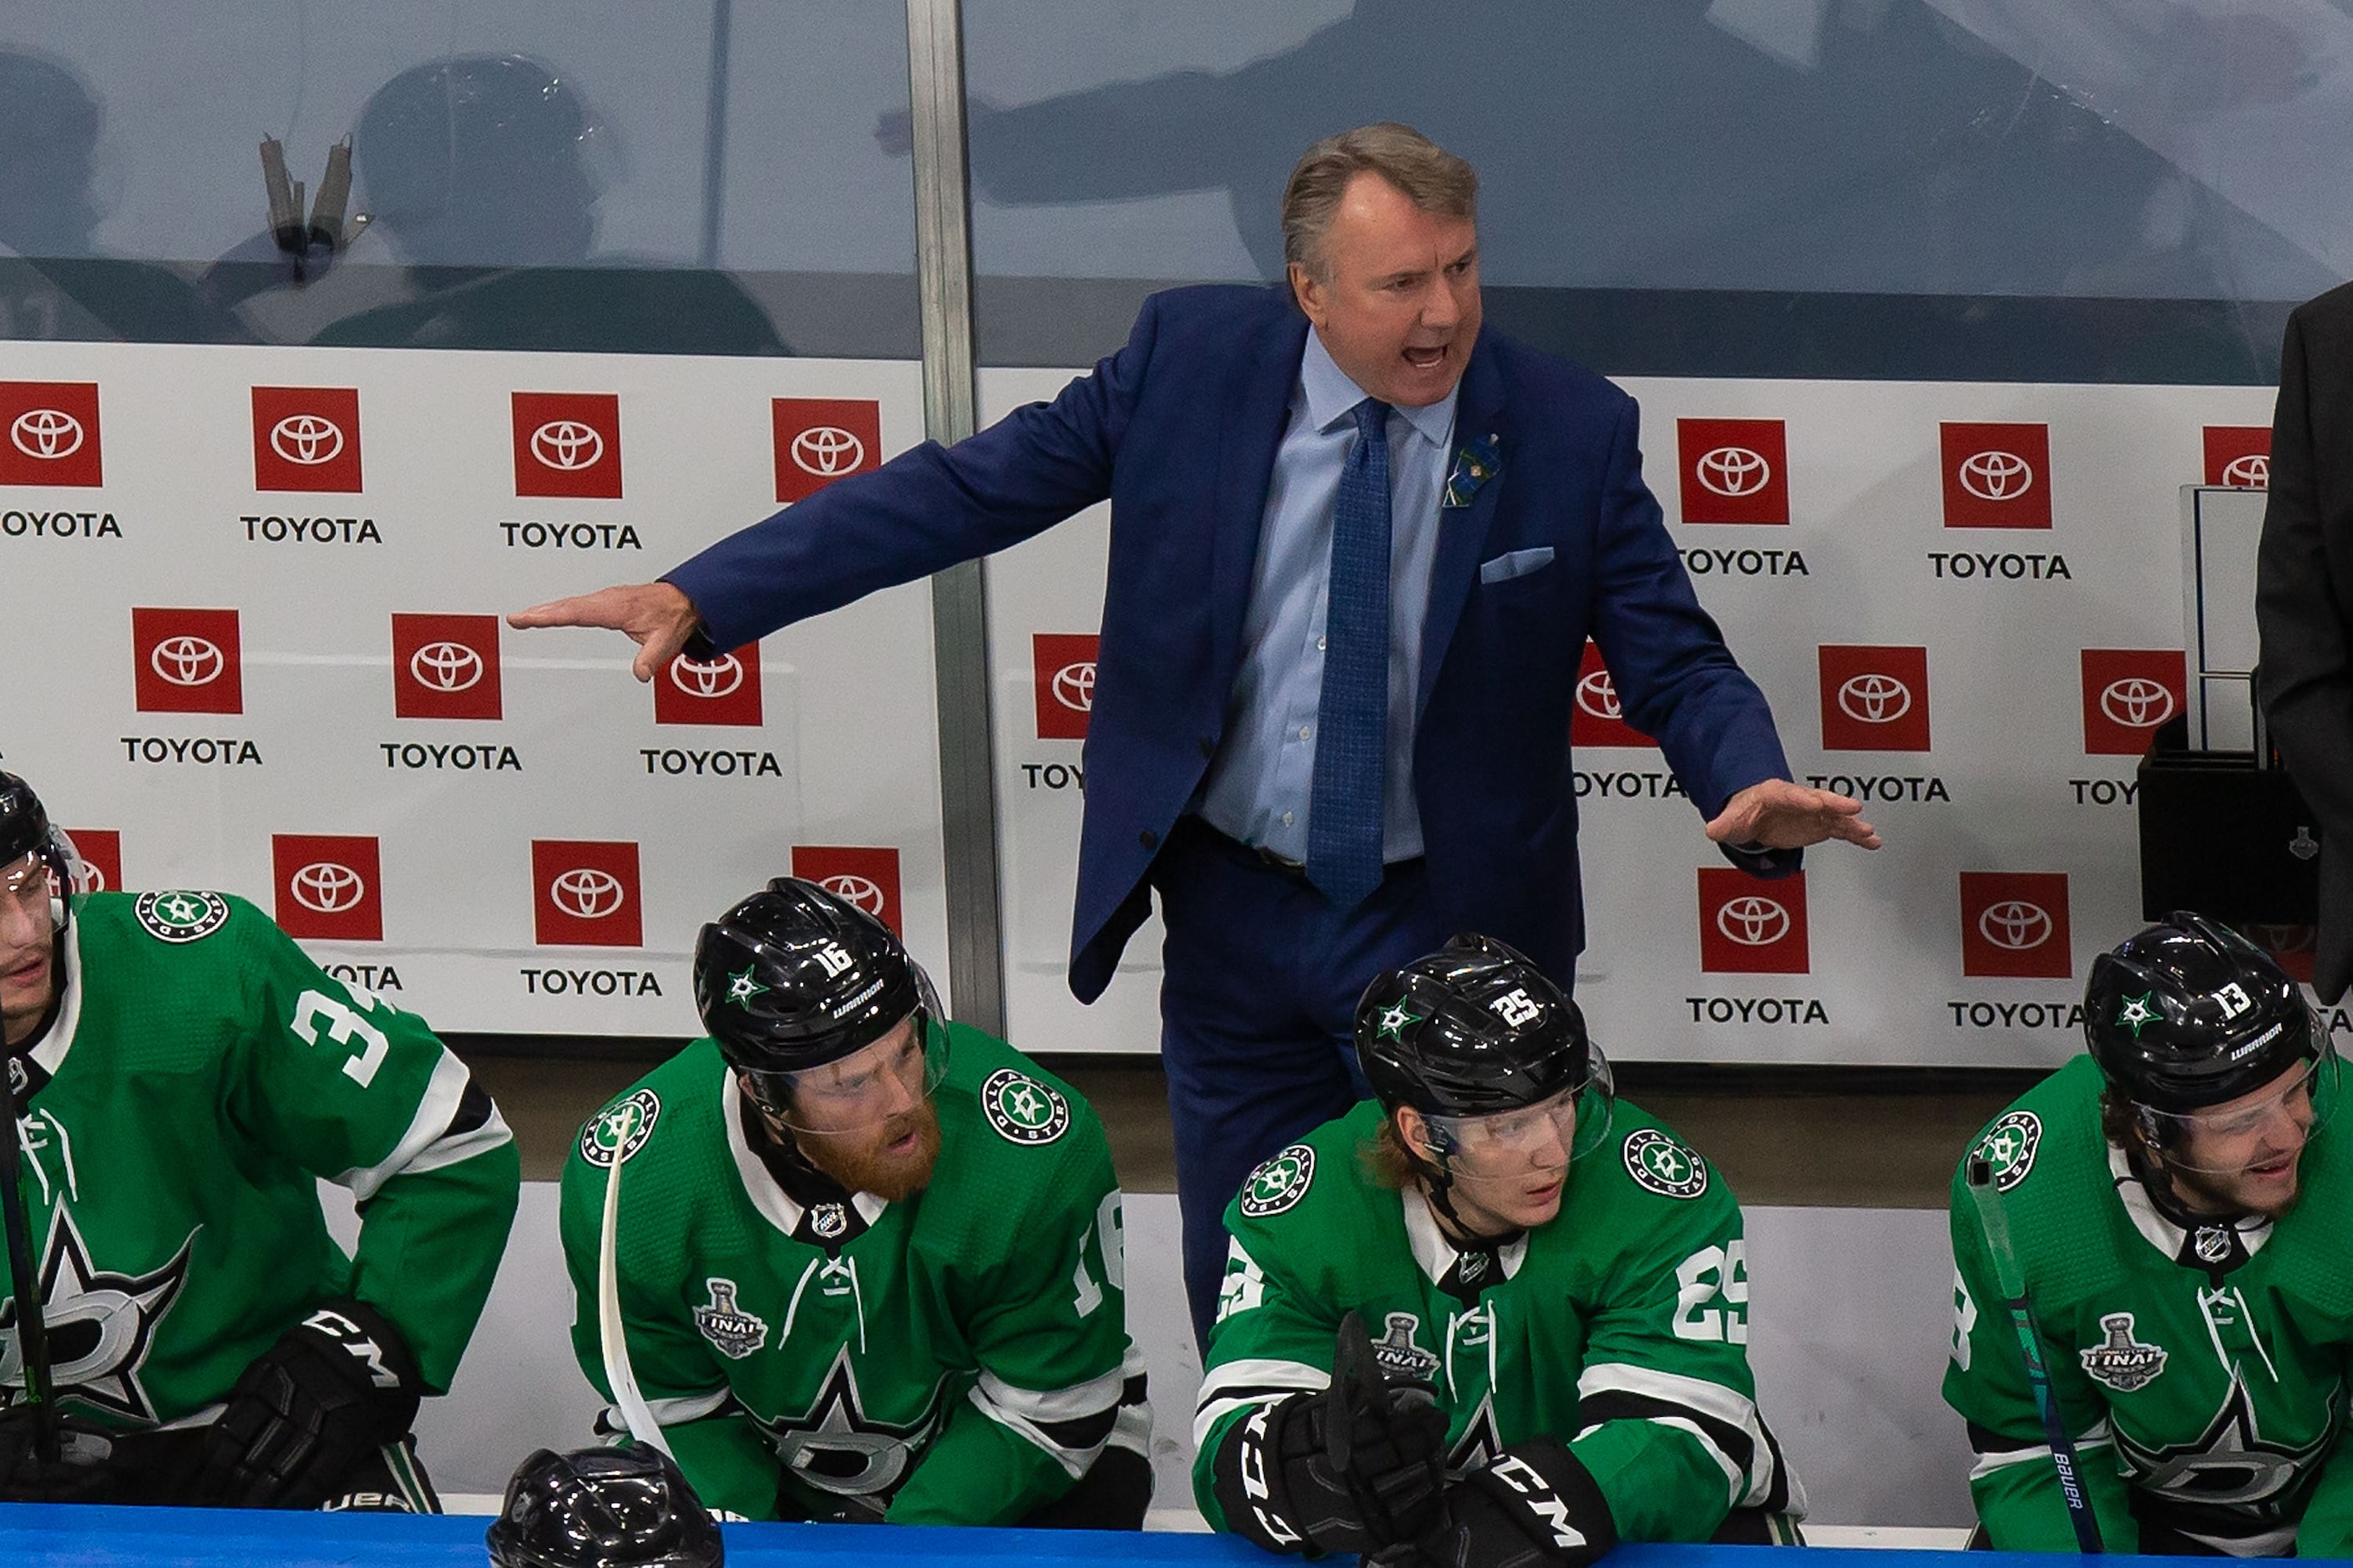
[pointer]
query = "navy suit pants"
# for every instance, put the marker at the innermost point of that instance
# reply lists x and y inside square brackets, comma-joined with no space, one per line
[1258,1005]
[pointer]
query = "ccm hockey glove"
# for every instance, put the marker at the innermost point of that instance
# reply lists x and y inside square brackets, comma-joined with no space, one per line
[333,1389]
[1537,1506]
[80,1472]
[1352,1467]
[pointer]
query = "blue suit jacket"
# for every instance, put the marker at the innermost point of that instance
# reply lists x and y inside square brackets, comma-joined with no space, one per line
[1178,430]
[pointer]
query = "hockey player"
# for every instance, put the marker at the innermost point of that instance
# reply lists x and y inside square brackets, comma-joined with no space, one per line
[868,1261]
[1561,1275]
[183,1075]
[2179,1222]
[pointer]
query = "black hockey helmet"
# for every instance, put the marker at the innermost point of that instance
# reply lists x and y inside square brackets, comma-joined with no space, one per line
[795,977]
[2188,1013]
[25,829]
[1476,1029]
[603,1507]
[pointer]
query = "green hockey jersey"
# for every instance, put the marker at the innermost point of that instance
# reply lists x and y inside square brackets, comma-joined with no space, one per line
[199,1075]
[959,1358]
[1619,1327]
[2201,1373]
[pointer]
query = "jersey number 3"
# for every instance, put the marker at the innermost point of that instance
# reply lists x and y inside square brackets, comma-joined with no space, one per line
[344,1026]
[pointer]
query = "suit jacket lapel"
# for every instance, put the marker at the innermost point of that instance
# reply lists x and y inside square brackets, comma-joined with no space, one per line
[1463,532]
[1257,400]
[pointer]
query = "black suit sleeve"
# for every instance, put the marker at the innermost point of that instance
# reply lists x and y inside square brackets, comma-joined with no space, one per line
[2306,676]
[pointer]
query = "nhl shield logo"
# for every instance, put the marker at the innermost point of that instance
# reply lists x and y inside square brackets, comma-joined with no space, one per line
[181,917]
[733,1332]
[2008,1148]
[1278,1184]
[1022,1110]
[619,1131]
[2120,1361]
[1660,1165]
[827,1221]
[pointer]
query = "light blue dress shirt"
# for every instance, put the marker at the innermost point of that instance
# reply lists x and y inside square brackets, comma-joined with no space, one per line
[1257,787]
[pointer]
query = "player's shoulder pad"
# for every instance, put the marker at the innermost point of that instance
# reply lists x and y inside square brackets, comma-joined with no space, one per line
[181,916]
[1019,1102]
[1309,1182]
[2056,1122]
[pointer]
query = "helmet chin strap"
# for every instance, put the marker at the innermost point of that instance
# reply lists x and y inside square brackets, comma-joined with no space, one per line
[1437,1185]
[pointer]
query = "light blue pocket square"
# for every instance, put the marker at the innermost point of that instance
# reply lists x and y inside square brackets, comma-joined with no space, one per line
[1518,563]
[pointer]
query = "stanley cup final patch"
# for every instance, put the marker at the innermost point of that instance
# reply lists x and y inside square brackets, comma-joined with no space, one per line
[1278,1184]
[733,1332]
[181,917]
[1022,1110]
[620,1130]
[2122,1362]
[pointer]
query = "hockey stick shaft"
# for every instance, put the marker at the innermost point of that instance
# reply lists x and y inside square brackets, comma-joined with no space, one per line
[32,1330]
[2011,1279]
[611,1331]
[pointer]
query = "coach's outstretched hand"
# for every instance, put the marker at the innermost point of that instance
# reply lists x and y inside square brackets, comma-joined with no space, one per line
[658,617]
[333,1389]
[1784,815]
[80,1472]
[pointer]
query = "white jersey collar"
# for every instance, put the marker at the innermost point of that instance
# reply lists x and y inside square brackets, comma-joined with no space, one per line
[49,1054]
[1434,1254]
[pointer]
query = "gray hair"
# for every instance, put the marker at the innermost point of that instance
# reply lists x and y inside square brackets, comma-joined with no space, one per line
[1430,177]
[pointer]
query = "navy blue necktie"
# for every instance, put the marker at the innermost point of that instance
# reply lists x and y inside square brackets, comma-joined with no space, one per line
[1345,816]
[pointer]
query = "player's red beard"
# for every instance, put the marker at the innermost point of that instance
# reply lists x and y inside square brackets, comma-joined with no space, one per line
[867,1162]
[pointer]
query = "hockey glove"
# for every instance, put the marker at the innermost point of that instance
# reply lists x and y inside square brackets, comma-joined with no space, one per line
[333,1389]
[1537,1506]
[80,1472]
[1351,1467]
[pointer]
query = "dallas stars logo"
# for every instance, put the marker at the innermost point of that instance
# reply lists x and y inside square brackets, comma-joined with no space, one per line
[742,988]
[837,1448]
[2229,1465]
[1022,1110]
[2137,1014]
[2008,1147]
[101,1323]
[1395,1019]
[619,1131]
[1660,1165]
[1279,1183]
[178,918]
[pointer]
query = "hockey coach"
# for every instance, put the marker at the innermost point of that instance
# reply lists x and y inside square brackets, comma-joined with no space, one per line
[180,1075]
[866,1263]
[1357,546]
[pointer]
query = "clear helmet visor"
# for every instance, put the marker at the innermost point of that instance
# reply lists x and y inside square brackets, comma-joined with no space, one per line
[2255,1131]
[1548,1135]
[892,1077]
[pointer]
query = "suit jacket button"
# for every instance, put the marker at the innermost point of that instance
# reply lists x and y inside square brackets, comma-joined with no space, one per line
[1148,839]
[1208,747]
